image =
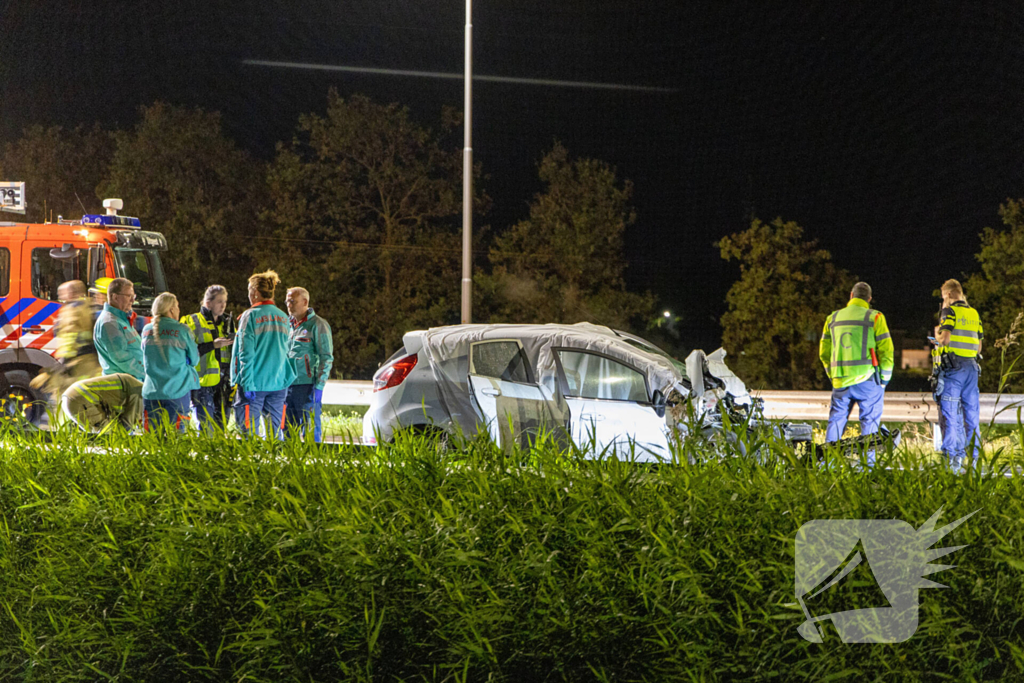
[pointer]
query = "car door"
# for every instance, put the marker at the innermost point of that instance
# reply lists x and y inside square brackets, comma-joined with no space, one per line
[512,405]
[609,404]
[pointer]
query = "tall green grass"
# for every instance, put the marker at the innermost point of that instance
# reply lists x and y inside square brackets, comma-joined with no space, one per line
[156,558]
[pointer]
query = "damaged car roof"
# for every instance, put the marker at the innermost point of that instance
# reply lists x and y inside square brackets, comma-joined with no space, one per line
[446,344]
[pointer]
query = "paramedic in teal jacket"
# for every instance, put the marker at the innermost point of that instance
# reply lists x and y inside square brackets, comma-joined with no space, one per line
[259,359]
[311,353]
[117,343]
[169,353]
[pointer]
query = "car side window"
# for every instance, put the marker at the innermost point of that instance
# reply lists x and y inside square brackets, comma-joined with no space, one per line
[588,375]
[503,359]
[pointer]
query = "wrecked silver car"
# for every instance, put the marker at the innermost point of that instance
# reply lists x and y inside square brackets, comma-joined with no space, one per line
[601,388]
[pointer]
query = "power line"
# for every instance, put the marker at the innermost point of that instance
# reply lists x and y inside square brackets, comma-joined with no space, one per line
[548,82]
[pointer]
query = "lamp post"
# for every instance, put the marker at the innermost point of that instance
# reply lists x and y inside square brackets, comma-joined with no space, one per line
[467,175]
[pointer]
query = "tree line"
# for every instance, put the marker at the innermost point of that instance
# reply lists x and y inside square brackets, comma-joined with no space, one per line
[362,207]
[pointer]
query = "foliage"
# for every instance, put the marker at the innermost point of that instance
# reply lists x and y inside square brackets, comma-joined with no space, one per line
[787,286]
[363,211]
[56,164]
[997,291]
[190,559]
[565,262]
[179,173]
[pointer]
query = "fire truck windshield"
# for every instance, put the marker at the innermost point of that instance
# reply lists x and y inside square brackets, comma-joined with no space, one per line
[143,267]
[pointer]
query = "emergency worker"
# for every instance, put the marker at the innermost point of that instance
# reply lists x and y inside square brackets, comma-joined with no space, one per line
[74,330]
[311,353]
[117,343]
[259,358]
[169,352]
[75,350]
[959,346]
[98,291]
[98,402]
[98,294]
[857,352]
[212,328]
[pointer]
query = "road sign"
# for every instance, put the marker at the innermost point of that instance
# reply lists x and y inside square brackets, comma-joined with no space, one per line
[12,197]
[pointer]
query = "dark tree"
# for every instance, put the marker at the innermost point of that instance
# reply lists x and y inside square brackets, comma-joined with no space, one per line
[565,262]
[778,306]
[56,165]
[997,291]
[179,173]
[364,212]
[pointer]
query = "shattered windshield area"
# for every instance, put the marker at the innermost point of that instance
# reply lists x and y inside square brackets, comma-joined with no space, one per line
[142,267]
[648,347]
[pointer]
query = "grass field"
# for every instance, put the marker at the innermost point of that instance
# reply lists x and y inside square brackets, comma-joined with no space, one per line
[343,421]
[189,559]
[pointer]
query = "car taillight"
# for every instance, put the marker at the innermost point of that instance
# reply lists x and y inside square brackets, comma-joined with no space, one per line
[395,374]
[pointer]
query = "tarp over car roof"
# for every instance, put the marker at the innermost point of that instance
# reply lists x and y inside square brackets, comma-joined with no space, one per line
[448,349]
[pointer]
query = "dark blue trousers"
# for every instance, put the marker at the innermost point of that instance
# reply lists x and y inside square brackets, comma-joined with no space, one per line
[299,408]
[174,411]
[960,413]
[870,397]
[268,404]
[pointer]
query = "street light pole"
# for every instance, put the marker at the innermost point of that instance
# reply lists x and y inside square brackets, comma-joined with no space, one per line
[467,175]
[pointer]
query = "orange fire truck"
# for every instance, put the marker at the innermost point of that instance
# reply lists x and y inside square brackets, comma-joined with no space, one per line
[36,258]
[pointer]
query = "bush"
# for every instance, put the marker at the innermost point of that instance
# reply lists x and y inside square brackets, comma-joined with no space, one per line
[188,559]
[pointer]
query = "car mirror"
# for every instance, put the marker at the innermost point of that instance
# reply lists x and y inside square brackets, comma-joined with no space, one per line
[658,402]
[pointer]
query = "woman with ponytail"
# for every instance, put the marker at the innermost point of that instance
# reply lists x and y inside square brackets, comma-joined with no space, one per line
[168,354]
[259,359]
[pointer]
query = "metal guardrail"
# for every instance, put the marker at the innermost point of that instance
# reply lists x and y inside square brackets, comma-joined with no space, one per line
[340,392]
[899,406]
[789,405]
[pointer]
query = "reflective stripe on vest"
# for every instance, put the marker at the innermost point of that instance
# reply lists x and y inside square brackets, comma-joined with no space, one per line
[209,364]
[964,338]
[853,336]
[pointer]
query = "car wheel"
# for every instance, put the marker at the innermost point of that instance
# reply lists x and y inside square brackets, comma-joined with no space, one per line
[19,399]
[440,438]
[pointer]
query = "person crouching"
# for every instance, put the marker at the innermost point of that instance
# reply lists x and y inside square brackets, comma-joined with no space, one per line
[168,355]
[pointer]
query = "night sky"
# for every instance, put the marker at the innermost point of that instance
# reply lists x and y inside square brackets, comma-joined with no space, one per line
[892,134]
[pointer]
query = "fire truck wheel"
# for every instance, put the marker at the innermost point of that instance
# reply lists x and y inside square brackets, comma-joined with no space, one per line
[18,398]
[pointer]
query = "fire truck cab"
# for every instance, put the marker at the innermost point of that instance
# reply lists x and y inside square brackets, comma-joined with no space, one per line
[36,258]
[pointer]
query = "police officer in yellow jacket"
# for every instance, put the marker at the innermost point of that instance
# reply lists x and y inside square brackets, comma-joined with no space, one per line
[212,328]
[857,352]
[959,345]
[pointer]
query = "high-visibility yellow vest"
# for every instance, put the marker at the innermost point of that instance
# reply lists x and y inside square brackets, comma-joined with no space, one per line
[204,331]
[853,336]
[74,329]
[965,332]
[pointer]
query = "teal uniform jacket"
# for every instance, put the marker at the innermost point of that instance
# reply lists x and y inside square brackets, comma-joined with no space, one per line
[259,357]
[169,361]
[118,345]
[311,350]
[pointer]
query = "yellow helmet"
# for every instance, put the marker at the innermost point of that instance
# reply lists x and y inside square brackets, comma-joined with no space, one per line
[100,286]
